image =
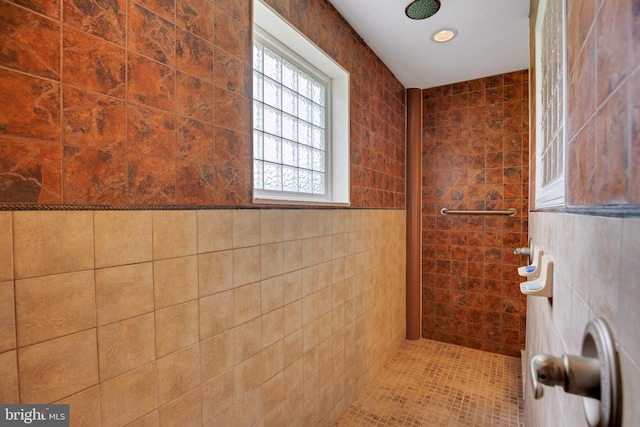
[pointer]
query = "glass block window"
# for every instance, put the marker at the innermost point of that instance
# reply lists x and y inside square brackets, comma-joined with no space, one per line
[550,102]
[300,117]
[289,125]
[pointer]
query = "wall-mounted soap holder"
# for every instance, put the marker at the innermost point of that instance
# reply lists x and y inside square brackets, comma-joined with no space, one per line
[533,269]
[595,375]
[542,286]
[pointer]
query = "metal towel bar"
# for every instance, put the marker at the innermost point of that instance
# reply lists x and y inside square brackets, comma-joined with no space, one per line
[510,212]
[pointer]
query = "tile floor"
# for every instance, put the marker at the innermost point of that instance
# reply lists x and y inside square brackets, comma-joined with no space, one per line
[430,383]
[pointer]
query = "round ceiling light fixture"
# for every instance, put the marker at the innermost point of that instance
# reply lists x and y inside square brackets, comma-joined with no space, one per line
[422,9]
[444,35]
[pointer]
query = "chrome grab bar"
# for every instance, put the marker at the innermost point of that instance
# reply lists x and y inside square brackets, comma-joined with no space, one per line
[510,212]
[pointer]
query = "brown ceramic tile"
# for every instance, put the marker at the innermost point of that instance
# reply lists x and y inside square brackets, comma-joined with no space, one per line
[151,132]
[614,61]
[229,34]
[151,180]
[194,55]
[228,71]
[23,118]
[93,64]
[164,8]
[123,292]
[9,377]
[150,35]
[105,20]
[54,369]
[93,120]
[195,184]
[29,42]
[194,98]
[178,373]
[176,328]
[612,155]
[238,10]
[36,169]
[194,140]
[94,176]
[159,91]
[129,396]
[196,16]
[52,306]
[126,345]
[50,8]
[152,419]
[52,242]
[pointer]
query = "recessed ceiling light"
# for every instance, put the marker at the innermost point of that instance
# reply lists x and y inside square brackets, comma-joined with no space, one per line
[444,35]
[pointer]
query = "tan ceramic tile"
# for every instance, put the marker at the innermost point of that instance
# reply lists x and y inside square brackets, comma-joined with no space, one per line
[249,375]
[218,395]
[174,234]
[292,220]
[246,228]
[273,392]
[277,416]
[176,328]
[271,226]
[150,420]
[6,247]
[184,411]
[272,294]
[7,317]
[248,339]
[225,418]
[310,223]
[178,373]
[292,317]
[126,345]
[9,377]
[217,354]
[325,222]
[175,281]
[52,242]
[128,397]
[123,292]
[273,357]
[293,347]
[52,306]
[271,260]
[292,286]
[84,407]
[272,327]
[61,367]
[292,255]
[122,237]
[216,314]
[215,272]
[246,265]
[215,230]
[247,303]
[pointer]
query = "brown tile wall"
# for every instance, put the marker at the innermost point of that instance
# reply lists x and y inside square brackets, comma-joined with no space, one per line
[227,317]
[475,156]
[144,102]
[603,160]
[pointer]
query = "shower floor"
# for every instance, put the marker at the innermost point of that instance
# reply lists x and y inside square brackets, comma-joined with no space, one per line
[430,383]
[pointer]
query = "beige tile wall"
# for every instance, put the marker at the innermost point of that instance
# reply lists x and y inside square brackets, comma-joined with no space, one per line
[596,274]
[213,317]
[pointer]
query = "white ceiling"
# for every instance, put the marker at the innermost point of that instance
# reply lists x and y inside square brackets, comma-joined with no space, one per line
[493,38]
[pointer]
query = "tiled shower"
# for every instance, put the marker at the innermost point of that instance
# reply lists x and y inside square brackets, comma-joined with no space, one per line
[132,257]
